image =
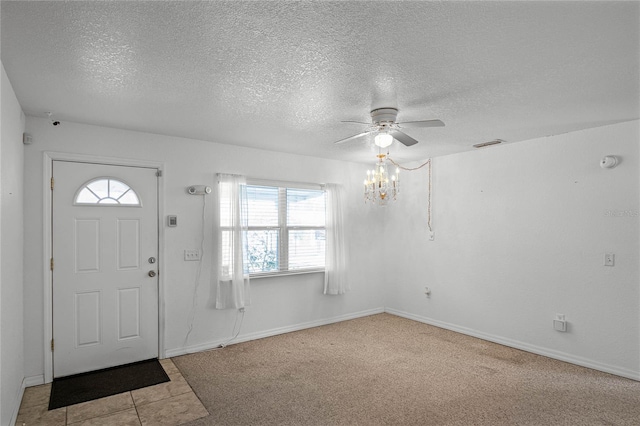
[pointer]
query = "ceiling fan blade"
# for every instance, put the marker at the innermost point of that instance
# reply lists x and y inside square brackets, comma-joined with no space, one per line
[353,137]
[422,123]
[403,138]
[356,122]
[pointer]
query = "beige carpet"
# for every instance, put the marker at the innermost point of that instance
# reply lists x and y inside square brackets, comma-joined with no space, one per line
[387,370]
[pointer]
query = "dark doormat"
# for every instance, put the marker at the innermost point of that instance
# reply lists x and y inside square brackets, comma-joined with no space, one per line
[110,381]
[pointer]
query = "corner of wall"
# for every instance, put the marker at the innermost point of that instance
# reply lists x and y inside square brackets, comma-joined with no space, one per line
[521,232]
[11,252]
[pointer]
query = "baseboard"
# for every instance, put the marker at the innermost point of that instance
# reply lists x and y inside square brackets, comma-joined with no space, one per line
[18,400]
[268,333]
[538,350]
[33,380]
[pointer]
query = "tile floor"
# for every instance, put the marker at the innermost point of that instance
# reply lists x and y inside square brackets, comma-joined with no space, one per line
[167,404]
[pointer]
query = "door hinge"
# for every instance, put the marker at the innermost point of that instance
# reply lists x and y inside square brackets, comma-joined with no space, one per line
[51,264]
[51,345]
[159,173]
[52,183]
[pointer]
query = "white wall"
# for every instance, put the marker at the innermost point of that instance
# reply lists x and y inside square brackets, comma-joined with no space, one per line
[11,255]
[278,304]
[520,235]
[521,230]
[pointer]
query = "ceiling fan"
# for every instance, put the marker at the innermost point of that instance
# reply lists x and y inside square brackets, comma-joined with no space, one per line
[384,125]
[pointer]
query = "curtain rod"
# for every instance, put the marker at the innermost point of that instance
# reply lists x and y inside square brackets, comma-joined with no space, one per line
[276,182]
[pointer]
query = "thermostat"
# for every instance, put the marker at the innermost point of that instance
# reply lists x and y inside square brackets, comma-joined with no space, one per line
[172,220]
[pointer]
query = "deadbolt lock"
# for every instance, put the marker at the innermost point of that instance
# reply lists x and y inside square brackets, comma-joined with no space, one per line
[152,260]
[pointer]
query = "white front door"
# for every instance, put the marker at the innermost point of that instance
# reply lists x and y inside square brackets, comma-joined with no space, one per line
[105,284]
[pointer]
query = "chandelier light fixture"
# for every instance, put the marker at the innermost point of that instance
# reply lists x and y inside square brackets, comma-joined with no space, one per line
[379,186]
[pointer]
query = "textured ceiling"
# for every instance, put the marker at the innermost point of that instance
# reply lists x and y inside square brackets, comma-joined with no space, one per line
[281,75]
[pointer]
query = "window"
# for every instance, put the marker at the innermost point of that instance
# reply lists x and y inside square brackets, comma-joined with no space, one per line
[106,191]
[286,229]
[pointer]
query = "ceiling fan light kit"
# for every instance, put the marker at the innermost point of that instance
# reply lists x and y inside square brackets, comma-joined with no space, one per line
[383,140]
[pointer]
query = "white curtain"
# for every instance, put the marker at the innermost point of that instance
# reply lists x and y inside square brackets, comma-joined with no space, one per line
[233,291]
[335,275]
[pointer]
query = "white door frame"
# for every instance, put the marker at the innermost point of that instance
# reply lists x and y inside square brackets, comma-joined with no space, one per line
[48,158]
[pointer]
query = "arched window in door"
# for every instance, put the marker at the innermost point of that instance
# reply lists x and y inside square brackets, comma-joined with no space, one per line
[106,191]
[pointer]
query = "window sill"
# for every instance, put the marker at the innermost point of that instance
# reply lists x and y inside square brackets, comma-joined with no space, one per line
[285,273]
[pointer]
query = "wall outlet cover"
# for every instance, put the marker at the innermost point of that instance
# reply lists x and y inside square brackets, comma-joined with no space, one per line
[559,325]
[609,259]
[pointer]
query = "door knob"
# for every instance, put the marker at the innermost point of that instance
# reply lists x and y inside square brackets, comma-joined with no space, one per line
[152,274]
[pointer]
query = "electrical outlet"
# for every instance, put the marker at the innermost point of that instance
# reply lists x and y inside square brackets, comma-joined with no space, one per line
[609,259]
[560,323]
[432,235]
[192,255]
